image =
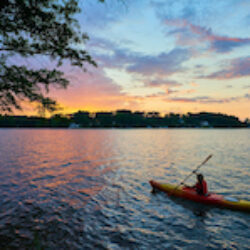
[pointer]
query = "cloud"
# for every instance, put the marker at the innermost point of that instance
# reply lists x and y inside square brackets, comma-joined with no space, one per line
[110,55]
[156,95]
[162,64]
[161,83]
[188,34]
[207,99]
[246,87]
[194,84]
[227,44]
[98,15]
[238,67]
[91,90]
[170,91]
[100,44]
[198,99]
[120,58]
[173,9]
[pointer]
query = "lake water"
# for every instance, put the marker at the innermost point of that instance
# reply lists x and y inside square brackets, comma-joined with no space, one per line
[88,189]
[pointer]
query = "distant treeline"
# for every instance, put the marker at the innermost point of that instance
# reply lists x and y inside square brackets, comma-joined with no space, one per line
[125,119]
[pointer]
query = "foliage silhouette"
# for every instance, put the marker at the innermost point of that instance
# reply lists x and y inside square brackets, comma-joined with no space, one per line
[32,28]
[126,119]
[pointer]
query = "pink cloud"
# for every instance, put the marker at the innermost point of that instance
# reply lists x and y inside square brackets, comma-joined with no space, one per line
[239,67]
[91,90]
[190,34]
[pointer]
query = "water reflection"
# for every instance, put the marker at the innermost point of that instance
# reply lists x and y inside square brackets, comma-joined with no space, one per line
[85,189]
[55,173]
[198,210]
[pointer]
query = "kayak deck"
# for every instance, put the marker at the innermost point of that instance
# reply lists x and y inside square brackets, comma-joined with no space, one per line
[210,199]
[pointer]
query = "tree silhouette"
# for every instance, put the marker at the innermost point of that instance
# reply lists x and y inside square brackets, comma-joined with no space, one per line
[127,119]
[31,28]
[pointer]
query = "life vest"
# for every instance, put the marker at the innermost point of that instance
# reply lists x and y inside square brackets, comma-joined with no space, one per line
[201,188]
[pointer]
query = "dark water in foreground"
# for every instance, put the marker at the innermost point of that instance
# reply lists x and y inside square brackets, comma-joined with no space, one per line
[88,189]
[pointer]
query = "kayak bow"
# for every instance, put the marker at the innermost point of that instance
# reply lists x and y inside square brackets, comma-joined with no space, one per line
[210,199]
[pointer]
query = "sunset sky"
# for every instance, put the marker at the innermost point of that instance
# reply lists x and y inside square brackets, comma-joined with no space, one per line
[163,55]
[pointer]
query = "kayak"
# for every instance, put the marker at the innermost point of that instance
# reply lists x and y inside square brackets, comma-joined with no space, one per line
[209,199]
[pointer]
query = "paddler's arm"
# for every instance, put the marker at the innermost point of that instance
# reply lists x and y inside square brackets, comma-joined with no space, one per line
[194,186]
[184,185]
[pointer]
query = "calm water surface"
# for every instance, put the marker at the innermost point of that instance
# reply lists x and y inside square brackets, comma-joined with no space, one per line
[88,189]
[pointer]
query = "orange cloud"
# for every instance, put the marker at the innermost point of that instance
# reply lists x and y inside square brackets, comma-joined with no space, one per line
[93,92]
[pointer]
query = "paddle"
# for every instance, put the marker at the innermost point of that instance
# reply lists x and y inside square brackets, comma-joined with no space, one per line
[193,172]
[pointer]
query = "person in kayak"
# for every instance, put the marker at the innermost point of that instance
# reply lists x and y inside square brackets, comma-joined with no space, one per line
[201,185]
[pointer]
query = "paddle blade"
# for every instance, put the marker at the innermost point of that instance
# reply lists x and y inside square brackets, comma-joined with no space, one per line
[210,156]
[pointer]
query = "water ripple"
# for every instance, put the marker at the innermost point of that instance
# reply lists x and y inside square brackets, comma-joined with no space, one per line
[88,189]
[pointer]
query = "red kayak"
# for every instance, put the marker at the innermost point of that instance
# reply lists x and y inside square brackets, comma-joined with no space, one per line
[209,199]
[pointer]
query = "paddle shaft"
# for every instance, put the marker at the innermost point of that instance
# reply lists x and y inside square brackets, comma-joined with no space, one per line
[194,171]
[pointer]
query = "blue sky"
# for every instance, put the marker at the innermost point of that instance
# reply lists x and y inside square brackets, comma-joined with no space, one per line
[168,56]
